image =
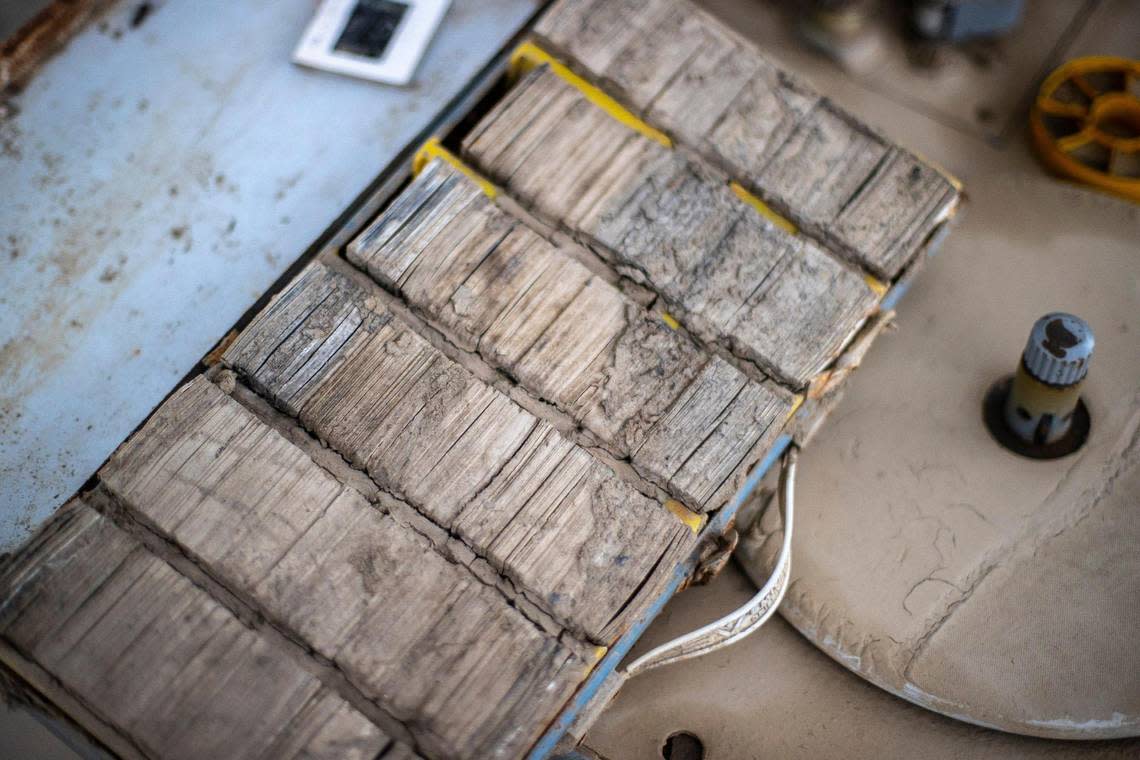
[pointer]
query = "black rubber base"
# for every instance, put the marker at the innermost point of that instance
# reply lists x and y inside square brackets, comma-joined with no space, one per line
[993,412]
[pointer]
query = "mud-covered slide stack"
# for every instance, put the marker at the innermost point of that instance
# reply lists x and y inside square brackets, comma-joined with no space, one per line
[437,487]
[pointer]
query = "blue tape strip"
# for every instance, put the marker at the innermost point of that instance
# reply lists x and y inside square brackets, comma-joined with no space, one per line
[720,522]
[607,666]
[682,571]
[891,299]
[900,288]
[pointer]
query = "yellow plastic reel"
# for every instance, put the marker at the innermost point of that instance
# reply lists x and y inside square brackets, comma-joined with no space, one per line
[1085,123]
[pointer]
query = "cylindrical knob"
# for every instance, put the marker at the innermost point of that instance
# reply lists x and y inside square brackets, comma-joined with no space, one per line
[1046,387]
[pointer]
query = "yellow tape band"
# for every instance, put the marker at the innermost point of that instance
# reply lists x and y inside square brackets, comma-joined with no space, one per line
[528,56]
[765,210]
[692,519]
[878,286]
[433,148]
[953,180]
[819,384]
[591,659]
[797,402]
[668,319]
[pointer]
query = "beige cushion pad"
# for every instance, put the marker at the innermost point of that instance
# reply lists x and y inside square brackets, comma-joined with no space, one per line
[993,588]
[775,696]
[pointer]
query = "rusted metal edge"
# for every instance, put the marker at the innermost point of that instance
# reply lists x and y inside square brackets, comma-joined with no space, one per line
[44,35]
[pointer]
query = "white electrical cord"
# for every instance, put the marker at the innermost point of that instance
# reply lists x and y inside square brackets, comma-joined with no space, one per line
[747,619]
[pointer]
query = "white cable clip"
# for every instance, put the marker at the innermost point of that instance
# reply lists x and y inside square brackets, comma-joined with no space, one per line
[748,618]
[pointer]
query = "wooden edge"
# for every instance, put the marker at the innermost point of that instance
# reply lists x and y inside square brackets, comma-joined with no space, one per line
[744,40]
[827,388]
[529,55]
[433,149]
[538,45]
[30,684]
[606,679]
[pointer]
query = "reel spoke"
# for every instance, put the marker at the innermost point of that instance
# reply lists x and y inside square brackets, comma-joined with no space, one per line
[1054,107]
[1073,142]
[1083,85]
[1099,143]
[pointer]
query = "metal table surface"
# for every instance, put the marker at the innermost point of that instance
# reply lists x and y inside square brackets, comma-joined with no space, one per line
[156,176]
